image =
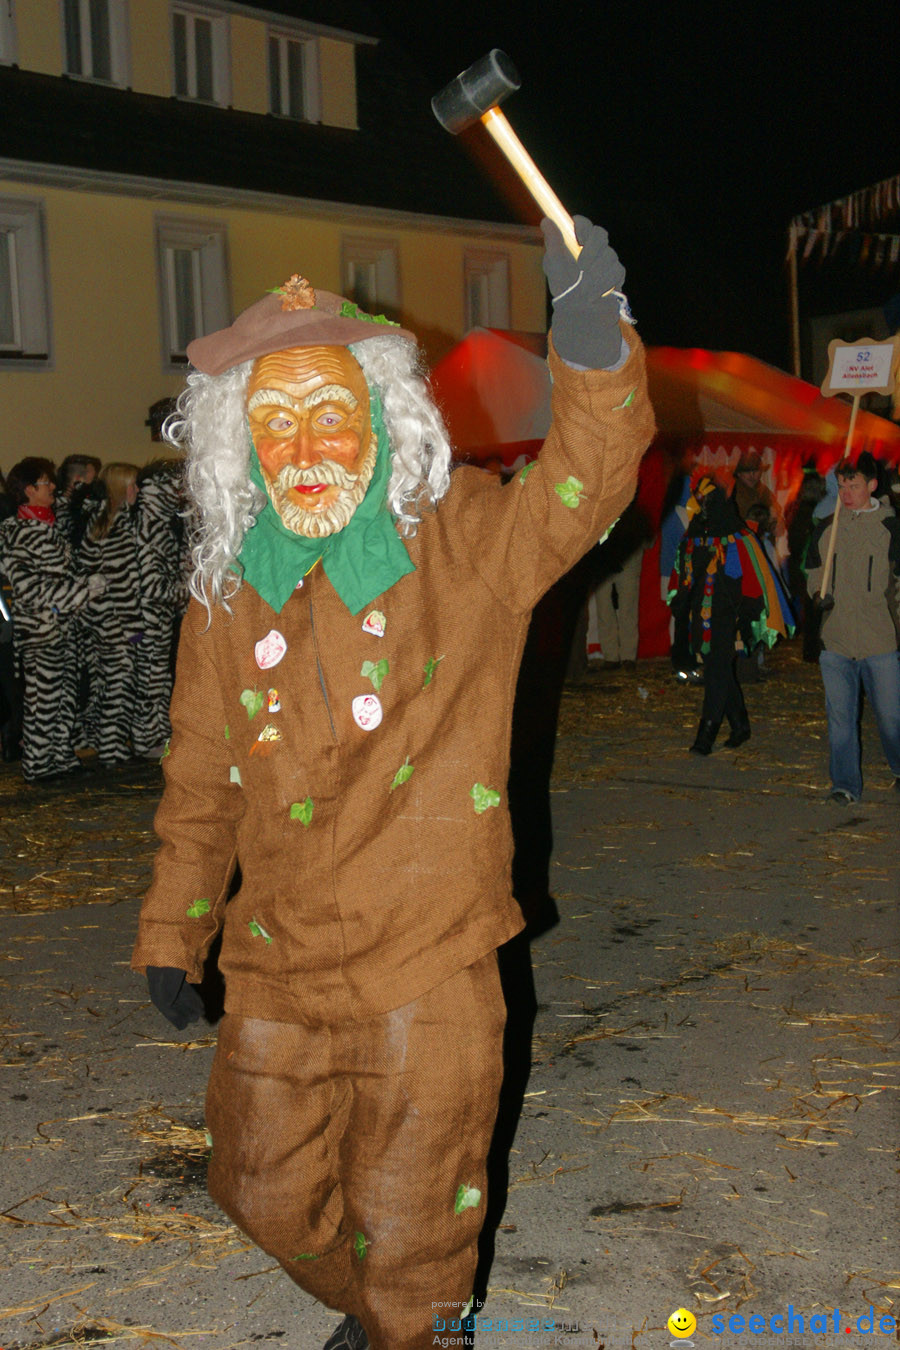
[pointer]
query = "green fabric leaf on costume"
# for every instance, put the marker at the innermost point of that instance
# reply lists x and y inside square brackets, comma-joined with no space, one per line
[403,774]
[197,908]
[483,797]
[627,402]
[234,775]
[166,751]
[208,1138]
[306,1256]
[252,700]
[526,470]
[360,1246]
[227,732]
[570,492]
[606,533]
[375,671]
[430,667]
[467,1197]
[302,811]
[257,930]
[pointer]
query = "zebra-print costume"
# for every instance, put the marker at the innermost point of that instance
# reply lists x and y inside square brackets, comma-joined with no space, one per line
[117,715]
[46,593]
[72,514]
[159,551]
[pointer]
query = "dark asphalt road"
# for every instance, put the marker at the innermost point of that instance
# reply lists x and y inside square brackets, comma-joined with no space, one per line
[711,1114]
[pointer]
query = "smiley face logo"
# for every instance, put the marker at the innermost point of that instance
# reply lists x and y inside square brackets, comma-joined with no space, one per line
[682,1323]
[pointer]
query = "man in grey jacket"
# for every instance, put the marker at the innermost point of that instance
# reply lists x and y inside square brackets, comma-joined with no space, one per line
[860,624]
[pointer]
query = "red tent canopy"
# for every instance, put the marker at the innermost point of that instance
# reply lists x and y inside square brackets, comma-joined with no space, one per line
[494,391]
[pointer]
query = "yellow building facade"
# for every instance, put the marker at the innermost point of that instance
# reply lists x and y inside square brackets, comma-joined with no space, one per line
[105,275]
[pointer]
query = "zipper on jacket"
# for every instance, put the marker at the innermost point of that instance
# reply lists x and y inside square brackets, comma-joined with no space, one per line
[870,571]
[312,625]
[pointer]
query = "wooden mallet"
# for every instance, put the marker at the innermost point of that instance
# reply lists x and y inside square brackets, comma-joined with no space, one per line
[473,97]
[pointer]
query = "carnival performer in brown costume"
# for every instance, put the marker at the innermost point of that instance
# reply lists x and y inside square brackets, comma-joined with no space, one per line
[341,724]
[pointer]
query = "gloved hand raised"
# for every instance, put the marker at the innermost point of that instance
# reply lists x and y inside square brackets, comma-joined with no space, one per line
[173,996]
[585,318]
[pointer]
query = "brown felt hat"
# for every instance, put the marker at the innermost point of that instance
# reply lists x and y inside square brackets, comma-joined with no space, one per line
[278,321]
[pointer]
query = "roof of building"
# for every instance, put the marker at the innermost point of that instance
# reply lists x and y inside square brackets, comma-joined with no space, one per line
[399,159]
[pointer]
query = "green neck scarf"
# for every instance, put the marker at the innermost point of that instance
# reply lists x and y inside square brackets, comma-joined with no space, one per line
[363,559]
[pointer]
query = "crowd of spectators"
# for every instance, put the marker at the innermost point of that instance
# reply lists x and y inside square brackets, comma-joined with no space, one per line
[94,565]
[93,570]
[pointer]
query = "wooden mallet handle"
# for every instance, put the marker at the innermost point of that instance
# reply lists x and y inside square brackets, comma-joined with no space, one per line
[498,127]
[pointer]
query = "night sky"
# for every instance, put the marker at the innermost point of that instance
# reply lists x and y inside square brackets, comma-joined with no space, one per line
[694,131]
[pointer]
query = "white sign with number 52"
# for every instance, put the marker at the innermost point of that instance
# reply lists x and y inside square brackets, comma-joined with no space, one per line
[862,366]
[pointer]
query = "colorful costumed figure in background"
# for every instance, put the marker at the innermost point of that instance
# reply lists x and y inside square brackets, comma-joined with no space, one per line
[341,723]
[723,587]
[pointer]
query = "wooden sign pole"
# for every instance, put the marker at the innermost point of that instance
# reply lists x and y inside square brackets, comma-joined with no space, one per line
[825,588]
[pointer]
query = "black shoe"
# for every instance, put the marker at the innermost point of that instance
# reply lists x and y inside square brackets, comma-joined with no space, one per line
[706,737]
[350,1335]
[841,797]
[739,734]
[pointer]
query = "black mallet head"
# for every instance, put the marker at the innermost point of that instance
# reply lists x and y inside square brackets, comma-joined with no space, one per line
[484,85]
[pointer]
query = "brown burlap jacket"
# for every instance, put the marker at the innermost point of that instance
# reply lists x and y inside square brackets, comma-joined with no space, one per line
[375,863]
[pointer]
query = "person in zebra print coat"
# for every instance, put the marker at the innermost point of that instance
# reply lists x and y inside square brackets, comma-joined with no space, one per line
[118,711]
[163,587]
[75,481]
[46,594]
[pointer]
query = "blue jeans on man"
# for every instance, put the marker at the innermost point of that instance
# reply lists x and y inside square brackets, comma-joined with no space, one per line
[844,678]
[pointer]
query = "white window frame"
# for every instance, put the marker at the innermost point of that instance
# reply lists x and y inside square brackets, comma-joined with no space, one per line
[380,260]
[208,243]
[9,52]
[221,67]
[312,74]
[23,234]
[119,47]
[488,270]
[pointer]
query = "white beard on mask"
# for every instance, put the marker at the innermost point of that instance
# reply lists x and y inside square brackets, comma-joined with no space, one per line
[320,524]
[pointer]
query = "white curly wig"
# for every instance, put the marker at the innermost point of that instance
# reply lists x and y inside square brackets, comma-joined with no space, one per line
[210,423]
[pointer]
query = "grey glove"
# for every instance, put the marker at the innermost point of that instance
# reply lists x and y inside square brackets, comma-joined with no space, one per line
[585,319]
[96,584]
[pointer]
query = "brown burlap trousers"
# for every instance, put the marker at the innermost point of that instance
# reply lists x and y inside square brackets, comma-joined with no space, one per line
[355,1154]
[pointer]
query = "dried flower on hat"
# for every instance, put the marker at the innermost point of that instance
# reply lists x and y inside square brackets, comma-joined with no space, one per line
[296,293]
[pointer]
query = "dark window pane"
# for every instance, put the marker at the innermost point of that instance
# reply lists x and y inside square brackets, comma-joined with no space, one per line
[185,318]
[296,100]
[7,305]
[179,44]
[73,37]
[274,76]
[101,51]
[478,301]
[363,284]
[203,57]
